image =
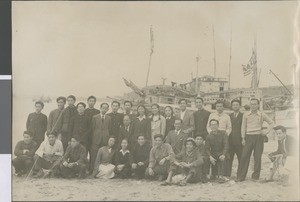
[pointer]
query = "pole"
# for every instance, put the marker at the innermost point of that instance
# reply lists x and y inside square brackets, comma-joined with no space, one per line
[197,74]
[281,83]
[230,59]
[215,65]
[151,52]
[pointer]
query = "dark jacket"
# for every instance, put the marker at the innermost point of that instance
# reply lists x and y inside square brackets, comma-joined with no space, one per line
[123,159]
[116,122]
[80,126]
[123,133]
[68,113]
[76,154]
[37,125]
[169,125]
[142,127]
[235,136]
[141,154]
[21,145]
[201,118]
[91,112]
[216,144]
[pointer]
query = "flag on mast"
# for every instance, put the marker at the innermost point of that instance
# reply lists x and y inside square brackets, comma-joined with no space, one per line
[248,69]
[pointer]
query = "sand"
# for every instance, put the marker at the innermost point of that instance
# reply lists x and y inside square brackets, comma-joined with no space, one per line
[137,190]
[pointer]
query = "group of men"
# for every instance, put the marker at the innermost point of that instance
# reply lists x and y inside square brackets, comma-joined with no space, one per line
[197,142]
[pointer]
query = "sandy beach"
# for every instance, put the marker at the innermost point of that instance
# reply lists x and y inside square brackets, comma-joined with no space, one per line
[138,190]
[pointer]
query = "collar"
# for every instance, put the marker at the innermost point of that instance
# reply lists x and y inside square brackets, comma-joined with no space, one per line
[177,131]
[141,118]
[91,108]
[127,151]
[183,112]
[130,113]
[257,112]
[220,114]
[168,117]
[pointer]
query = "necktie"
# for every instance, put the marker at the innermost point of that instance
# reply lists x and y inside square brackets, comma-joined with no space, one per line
[102,118]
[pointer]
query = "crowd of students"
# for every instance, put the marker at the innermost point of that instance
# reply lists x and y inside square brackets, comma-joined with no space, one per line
[183,147]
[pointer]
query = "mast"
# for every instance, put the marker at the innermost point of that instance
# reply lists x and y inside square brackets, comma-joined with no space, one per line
[254,76]
[151,52]
[197,75]
[215,65]
[230,59]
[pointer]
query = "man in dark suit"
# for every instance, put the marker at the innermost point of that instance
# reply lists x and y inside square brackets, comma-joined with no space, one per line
[201,118]
[176,138]
[126,132]
[235,138]
[37,123]
[187,118]
[101,124]
[116,120]
[67,115]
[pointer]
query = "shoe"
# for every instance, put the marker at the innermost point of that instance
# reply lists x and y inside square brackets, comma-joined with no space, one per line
[204,180]
[165,183]
[221,180]
[239,180]
[182,183]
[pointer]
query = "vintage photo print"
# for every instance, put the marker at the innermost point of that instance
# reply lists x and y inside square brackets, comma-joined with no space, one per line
[158,101]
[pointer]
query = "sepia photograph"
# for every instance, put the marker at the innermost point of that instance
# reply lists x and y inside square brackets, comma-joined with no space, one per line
[155,100]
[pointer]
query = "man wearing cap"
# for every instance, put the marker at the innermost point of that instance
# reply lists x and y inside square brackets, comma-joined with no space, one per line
[55,117]
[188,162]
[80,125]
[68,113]
[74,162]
[48,156]
[37,123]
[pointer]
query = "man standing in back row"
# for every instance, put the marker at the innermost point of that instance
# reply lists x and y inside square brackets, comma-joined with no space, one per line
[253,139]
[55,117]
[201,118]
[37,123]
[101,124]
[187,118]
[235,138]
[68,113]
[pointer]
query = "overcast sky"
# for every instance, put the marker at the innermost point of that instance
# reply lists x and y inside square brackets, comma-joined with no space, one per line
[85,48]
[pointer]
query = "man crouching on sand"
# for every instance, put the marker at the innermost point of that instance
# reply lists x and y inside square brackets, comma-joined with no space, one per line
[48,156]
[159,160]
[187,164]
[74,162]
[104,167]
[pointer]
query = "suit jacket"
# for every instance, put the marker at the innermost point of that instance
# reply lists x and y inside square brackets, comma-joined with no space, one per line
[116,123]
[201,119]
[129,135]
[100,130]
[235,136]
[142,127]
[170,125]
[188,122]
[176,141]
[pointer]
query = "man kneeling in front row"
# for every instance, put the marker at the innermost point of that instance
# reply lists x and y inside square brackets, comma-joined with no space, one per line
[159,160]
[48,156]
[187,165]
[74,162]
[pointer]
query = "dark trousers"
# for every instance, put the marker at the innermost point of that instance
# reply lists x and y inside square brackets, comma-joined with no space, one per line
[256,143]
[159,170]
[45,164]
[139,171]
[94,152]
[124,173]
[76,171]
[23,164]
[233,149]
[205,166]
[219,168]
